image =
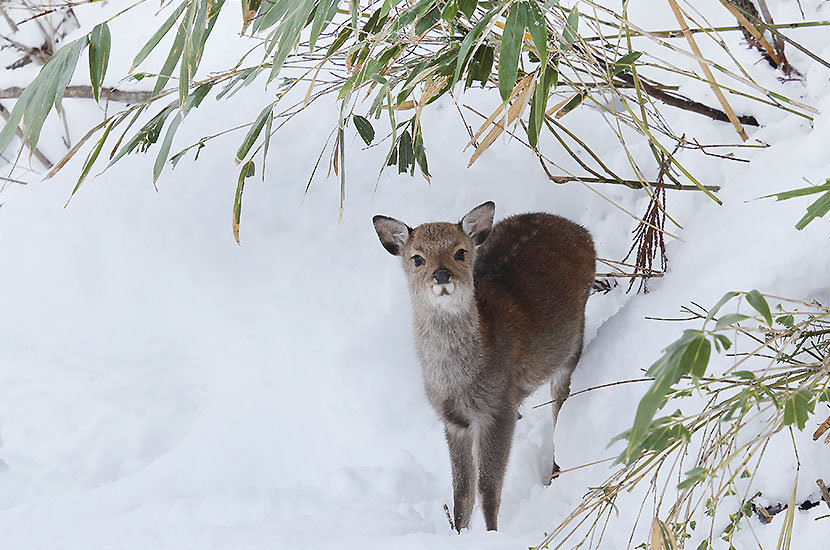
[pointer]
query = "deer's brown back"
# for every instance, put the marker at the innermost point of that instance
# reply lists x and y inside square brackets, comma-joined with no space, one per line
[532,279]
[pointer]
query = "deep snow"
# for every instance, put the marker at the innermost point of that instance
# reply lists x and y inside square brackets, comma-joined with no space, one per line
[162,387]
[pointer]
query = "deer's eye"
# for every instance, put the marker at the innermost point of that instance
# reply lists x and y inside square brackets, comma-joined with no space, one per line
[419,261]
[459,254]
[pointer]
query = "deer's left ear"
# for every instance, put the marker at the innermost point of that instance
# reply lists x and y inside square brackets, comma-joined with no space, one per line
[478,222]
[393,233]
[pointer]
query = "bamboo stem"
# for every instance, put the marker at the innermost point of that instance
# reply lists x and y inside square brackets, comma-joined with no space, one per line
[707,72]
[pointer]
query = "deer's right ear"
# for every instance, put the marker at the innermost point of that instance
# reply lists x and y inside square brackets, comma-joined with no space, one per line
[393,233]
[478,222]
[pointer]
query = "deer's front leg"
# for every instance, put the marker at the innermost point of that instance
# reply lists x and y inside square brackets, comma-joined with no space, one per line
[460,442]
[494,449]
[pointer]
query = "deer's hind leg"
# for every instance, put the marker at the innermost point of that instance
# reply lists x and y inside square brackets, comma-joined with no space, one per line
[560,387]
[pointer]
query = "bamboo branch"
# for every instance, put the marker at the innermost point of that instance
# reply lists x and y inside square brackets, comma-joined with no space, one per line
[85,92]
[706,71]
[685,103]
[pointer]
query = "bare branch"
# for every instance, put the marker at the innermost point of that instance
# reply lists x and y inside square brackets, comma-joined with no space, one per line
[85,92]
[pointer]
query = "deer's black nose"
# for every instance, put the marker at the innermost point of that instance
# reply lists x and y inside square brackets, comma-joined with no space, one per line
[442,276]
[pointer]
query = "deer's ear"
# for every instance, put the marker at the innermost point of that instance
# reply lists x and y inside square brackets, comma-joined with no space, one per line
[478,222]
[393,233]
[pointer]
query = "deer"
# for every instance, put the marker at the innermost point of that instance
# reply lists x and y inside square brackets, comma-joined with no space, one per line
[498,310]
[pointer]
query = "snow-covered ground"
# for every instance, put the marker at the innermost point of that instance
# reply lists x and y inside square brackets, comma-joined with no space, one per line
[162,387]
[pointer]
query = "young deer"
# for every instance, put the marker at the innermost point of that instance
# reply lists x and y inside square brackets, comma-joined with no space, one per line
[498,311]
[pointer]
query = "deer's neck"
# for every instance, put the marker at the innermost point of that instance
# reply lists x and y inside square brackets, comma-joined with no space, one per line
[449,346]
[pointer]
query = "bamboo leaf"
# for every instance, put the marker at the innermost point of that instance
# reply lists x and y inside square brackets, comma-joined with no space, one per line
[470,39]
[467,7]
[420,154]
[249,11]
[730,319]
[511,46]
[322,16]
[91,158]
[569,33]
[574,102]
[164,149]
[666,372]
[538,29]
[816,210]
[364,128]
[248,170]
[538,105]
[405,153]
[193,101]
[714,311]
[450,11]
[253,133]
[797,408]
[159,34]
[146,136]
[267,141]
[756,300]
[46,90]
[696,357]
[99,56]
[172,59]
[800,192]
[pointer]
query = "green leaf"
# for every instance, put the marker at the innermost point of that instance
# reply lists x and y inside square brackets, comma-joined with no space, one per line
[666,372]
[253,133]
[714,311]
[159,34]
[46,90]
[756,300]
[364,128]
[449,12]
[322,16]
[722,340]
[539,102]
[786,320]
[569,33]
[730,319]
[696,357]
[575,102]
[420,153]
[625,63]
[470,40]
[744,374]
[172,60]
[538,31]
[816,210]
[405,153]
[267,138]
[99,56]
[800,192]
[193,101]
[797,408]
[427,21]
[249,11]
[93,156]
[511,46]
[480,66]
[248,170]
[146,136]
[693,477]
[467,7]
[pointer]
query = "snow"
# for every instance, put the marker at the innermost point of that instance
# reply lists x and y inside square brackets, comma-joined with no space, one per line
[162,387]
